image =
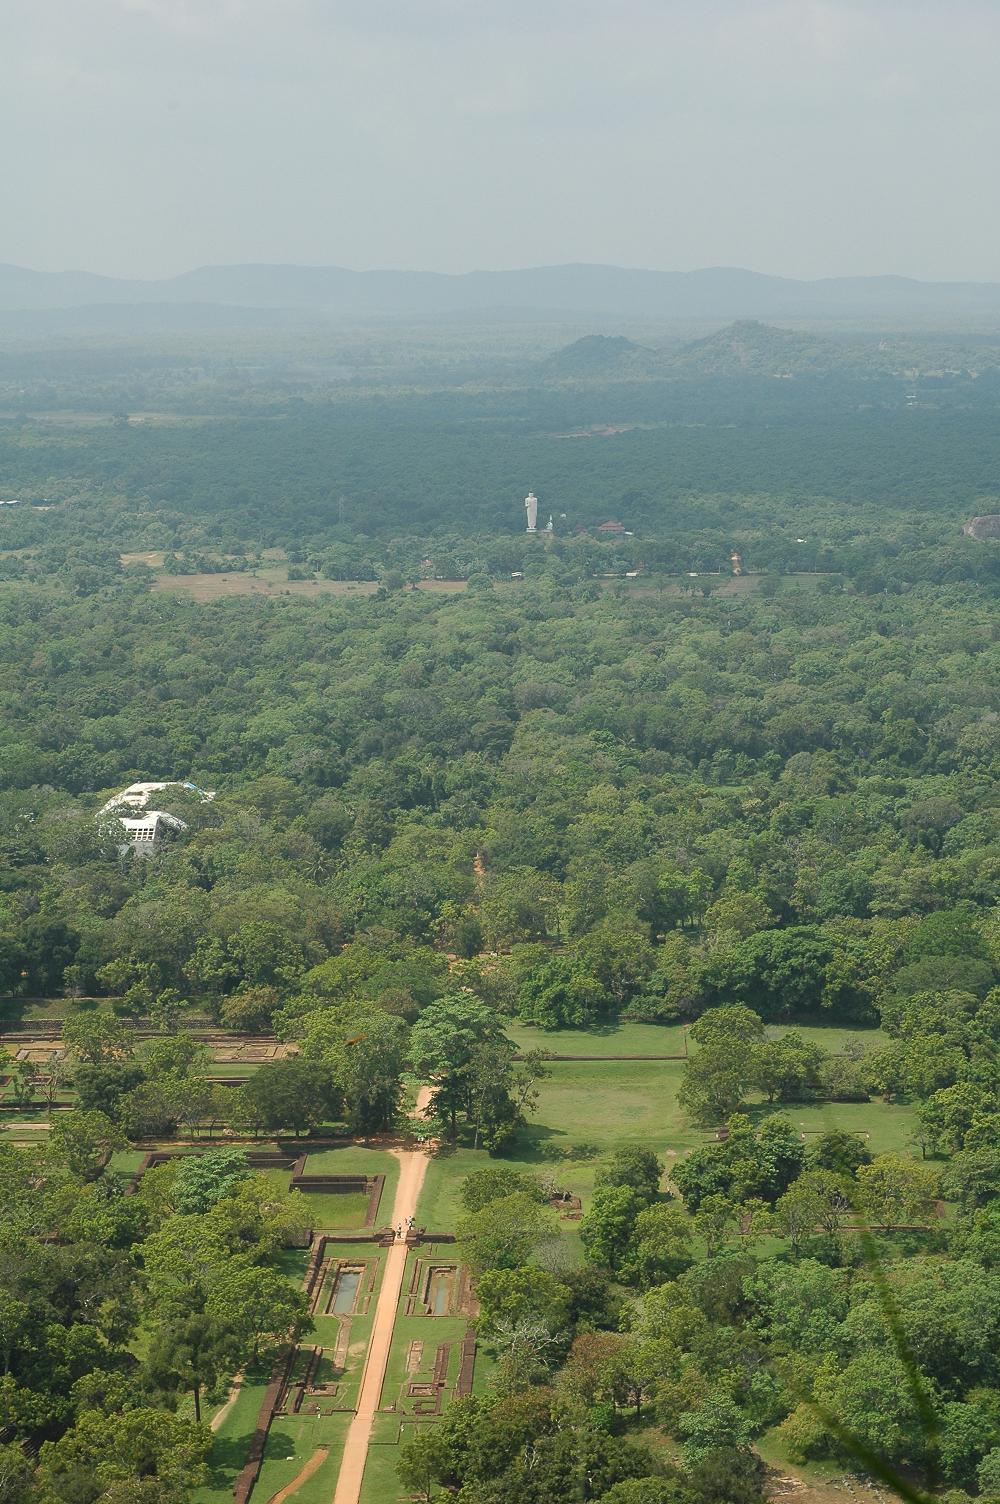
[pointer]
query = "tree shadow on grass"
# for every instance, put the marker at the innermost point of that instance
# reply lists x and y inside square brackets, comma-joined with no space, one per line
[227,1457]
[532,1143]
[540,1144]
[281,1444]
[593,1031]
[230,1454]
[537,1143]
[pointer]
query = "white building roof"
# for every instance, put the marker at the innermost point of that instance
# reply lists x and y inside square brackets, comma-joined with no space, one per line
[138,795]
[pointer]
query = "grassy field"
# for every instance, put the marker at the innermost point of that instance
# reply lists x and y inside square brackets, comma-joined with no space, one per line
[20,1011]
[666,1039]
[274,581]
[232,1439]
[328,1211]
[380,1484]
[588,1107]
[22,1136]
[829,1037]
[293,1440]
[615,1039]
[353,1159]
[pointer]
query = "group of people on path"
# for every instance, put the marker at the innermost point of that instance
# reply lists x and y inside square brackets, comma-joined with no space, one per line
[404,1228]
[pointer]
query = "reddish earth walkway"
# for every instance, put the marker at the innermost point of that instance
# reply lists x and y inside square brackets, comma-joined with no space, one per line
[315,1462]
[412,1167]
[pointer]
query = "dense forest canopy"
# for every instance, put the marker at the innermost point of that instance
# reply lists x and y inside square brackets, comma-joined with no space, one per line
[749,804]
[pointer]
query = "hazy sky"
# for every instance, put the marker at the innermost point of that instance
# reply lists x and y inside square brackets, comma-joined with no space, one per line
[804,137]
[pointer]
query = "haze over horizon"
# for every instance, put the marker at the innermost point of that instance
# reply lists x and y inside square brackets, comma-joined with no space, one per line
[800,138]
[404,269]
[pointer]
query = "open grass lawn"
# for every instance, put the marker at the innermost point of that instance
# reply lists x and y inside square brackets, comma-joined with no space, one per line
[354,1159]
[231,1441]
[587,1108]
[380,1484]
[127,1160]
[292,1441]
[328,1211]
[266,581]
[610,1102]
[667,1039]
[884,1128]
[829,1037]
[615,1039]
[22,1137]
[22,1011]
[333,1213]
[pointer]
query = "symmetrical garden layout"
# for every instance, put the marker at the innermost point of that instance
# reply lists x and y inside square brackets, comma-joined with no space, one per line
[391,1344]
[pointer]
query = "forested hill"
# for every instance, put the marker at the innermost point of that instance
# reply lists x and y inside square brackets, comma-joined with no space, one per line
[602,355]
[747,347]
[752,347]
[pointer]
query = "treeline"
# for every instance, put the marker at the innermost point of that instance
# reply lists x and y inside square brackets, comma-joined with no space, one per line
[346,1074]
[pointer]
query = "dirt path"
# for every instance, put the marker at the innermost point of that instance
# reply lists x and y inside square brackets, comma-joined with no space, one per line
[228,1404]
[412,1167]
[315,1462]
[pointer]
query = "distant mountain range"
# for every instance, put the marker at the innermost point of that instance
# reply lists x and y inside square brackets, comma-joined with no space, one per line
[714,293]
